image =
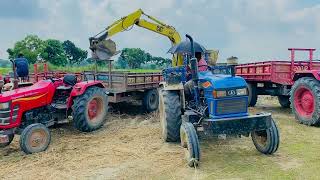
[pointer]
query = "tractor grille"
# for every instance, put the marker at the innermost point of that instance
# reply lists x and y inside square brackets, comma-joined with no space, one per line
[5,116]
[231,106]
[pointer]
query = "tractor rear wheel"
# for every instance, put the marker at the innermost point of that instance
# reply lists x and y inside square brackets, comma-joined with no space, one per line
[305,101]
[284,101]
[252,94]
[266,141]
[170,115]
[189,140]
[35,138]
[90,109]
[10,138]
[151,100]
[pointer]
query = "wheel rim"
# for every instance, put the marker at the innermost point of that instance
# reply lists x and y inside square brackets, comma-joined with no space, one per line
[304,102]
[38,139]
[261,138]
[95,107]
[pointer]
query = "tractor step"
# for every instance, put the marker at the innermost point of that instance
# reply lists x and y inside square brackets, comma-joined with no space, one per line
[59,106]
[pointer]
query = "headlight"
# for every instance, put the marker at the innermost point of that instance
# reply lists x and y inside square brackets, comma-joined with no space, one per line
[242,92]
[217,94]
[4,105]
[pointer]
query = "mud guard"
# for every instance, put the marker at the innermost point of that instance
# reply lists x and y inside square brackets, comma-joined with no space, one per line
[80,88]
[175,87]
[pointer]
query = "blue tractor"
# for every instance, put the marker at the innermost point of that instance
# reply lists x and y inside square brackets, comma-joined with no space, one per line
[218,105]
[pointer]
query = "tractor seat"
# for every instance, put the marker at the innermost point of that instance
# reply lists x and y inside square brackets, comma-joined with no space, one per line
[70,80]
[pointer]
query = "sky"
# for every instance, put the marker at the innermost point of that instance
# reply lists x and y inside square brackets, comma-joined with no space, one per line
[252,30]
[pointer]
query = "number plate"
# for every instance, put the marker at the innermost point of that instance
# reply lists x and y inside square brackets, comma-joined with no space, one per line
[4,138]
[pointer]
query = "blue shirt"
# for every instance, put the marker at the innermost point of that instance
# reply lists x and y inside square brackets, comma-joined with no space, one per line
[22,67]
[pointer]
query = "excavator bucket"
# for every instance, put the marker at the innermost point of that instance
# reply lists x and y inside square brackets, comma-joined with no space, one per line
[212,56]
[104,50]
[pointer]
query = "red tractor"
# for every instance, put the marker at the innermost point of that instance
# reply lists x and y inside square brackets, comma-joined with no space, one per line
[29,111]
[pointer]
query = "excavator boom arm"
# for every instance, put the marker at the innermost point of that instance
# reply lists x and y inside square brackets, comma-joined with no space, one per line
[126,23]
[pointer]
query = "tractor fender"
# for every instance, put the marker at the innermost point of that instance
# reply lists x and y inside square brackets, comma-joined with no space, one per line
[171,87]
[311,73]
[175,87]
[80,88]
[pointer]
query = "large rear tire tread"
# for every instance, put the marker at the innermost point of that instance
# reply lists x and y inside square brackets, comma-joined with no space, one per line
[273,140]
[81,120]
[314,86]
[284,101]
[170,115]
[253,96]
[147,103]
[25,135]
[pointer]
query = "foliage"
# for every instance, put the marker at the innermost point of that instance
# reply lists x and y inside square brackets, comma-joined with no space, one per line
[5,63]
[74,54]
[31,47]
[136,58]
[51,50]
[54,52]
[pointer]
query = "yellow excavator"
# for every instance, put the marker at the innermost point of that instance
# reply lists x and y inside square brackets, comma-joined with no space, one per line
[103,48]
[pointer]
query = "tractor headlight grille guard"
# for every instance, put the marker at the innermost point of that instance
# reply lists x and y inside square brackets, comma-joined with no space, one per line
[230,92]
[231,106]
[7,114]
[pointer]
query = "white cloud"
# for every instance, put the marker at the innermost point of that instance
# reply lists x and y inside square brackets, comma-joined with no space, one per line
[250,29]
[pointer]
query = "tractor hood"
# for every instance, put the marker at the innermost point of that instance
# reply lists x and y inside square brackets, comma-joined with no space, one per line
[222,81]
[36,89]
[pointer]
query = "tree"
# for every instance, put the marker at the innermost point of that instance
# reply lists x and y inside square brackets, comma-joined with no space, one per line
[31,47]
[122,63]
[73,53]
[161,62]
[135,57]
[54,52]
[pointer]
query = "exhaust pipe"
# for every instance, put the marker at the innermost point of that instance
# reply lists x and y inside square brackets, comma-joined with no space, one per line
[194,69]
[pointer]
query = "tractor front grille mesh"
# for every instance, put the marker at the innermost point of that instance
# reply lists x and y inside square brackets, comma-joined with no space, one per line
[231,106]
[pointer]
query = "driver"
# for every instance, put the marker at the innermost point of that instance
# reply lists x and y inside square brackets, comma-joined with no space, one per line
[22,67]
[202,66]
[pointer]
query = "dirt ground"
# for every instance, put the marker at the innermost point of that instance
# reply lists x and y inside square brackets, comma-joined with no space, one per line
[129,146]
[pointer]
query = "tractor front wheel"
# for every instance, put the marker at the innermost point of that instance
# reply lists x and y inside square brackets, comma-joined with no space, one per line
[266,141]
[305,101]
[35,138]
[189,141]
[10,139]
[90,109]
[170,115]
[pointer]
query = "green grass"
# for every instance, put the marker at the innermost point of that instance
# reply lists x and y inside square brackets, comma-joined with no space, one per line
[91,68]
[79,69]
[4,70]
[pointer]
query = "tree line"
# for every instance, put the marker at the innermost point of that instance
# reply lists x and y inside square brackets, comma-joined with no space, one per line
[51,50]
[67,53]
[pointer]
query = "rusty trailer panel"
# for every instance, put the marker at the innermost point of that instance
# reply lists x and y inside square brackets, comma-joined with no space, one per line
[124,81]
[273,71]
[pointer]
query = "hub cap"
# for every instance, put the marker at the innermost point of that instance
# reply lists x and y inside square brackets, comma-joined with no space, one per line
[304,102]
[37,139]
[261,138]
[95,107]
